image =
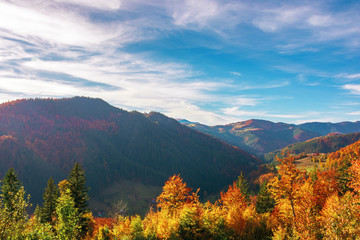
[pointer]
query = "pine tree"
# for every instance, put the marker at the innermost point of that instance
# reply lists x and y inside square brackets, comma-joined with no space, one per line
[10,188]
[50,196]
[79,192]
[265,202]
[243,185]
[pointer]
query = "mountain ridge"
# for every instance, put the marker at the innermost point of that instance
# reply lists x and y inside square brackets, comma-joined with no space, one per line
[112,145]
[262,136]
[324,144]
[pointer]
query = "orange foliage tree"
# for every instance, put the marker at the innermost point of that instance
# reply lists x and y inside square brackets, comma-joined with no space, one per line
[234,205]
[175,194]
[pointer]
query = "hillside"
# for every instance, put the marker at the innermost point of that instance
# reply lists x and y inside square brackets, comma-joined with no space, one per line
[330,143]
[344,156]
[260,136]
[257,136]
[326,128]
[44,137]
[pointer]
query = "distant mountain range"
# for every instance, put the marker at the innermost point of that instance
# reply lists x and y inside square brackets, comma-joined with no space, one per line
[45,137]
[327,144]
[260,136]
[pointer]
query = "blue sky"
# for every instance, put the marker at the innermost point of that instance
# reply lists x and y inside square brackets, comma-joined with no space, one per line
[210,61]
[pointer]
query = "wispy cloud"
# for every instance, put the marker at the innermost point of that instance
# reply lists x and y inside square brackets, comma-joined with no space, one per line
[106,5]
[274,19]
[352,76]
[236,74]
[236,111]
[357,113]
[56,27]
[353,88]
[263,86]
[61,48]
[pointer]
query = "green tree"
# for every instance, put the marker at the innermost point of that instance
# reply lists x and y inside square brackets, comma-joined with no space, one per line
[79,192]
[243,185]
[50,196]
[68,222]
[13,220]
[10,188]
[265,202]
[13,204]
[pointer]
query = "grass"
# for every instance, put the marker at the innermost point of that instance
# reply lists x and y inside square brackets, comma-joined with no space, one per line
[307,164]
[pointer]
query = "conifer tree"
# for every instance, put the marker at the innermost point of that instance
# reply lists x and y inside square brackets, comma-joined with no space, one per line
[50,196]
[243,185]
[79,192]
[10,188]
[265,202]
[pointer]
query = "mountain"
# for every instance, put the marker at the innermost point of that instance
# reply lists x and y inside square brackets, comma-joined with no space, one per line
[330,143]
[342,158]
[45,137]
[257,136]
[326,128]
[260,136]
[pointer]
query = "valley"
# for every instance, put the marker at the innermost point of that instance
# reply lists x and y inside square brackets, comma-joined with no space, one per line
[127,158]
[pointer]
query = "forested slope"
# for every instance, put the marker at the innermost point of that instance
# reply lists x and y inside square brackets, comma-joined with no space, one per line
[44,137]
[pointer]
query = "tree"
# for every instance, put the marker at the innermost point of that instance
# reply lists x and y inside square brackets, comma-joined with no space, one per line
[287,185]
[287,191]
[68,223]
[265,202]
[78,189]
[13,216]
[234,204]
[10,188]
[243,185]
[50,196]
[175,194]
[79,193]
[340,217]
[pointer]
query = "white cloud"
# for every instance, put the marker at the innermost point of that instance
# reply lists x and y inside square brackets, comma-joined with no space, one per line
[193,12]
[353,76]
[100,4]
[56,27]
[264,86]
[62,37]
[321,20]
[353,88]
[244,101]
[236,111]
[357,113]
[273,19]
[236,74]
[38,88]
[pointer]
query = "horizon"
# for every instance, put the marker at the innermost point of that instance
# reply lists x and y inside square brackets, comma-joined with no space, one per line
[208,61]
[177,119]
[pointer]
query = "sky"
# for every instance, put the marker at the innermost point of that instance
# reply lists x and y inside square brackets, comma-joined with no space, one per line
[208,61]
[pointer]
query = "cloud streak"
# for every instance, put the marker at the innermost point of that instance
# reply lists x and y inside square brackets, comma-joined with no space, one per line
[353,88]
[113,50]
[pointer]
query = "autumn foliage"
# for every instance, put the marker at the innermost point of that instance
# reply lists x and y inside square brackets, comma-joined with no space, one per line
[291,204]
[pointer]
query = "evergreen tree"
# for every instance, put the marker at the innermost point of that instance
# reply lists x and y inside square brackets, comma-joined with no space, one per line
[50,196]
[243,185]
[265,202]
[79,192]
[10,188]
